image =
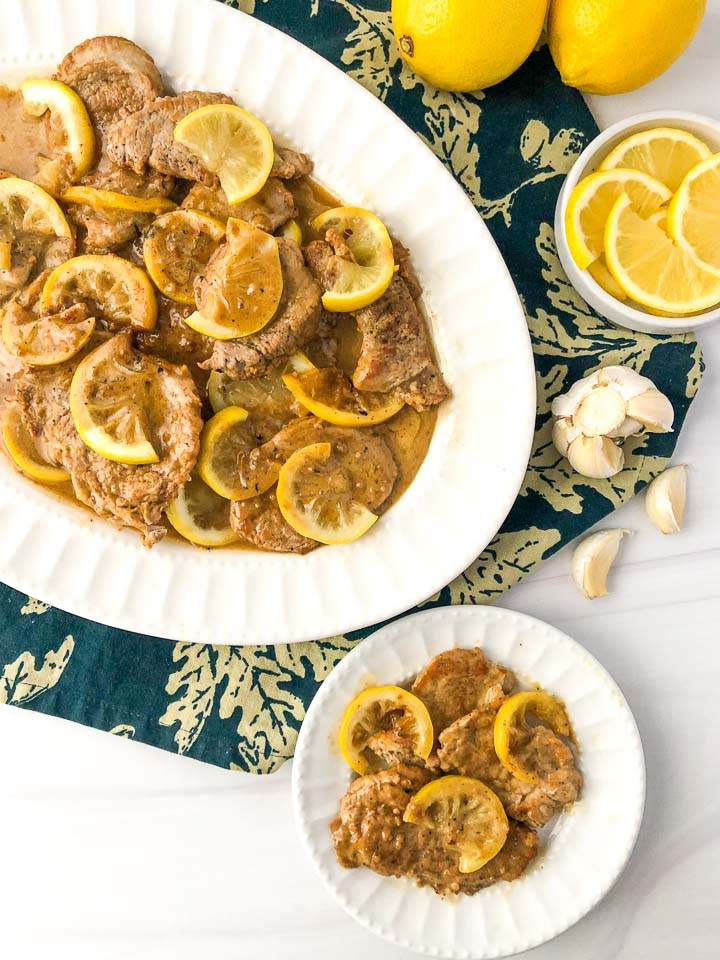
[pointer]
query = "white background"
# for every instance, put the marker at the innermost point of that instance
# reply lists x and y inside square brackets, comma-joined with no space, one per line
[111,849]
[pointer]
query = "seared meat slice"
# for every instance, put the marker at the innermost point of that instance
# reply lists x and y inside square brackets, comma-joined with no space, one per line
[289,164]
[174,340]
[457,681]
[392,748]
[406,269]
[467,747]
[267,210]
[369,831]
[131,495]
[113,76]
[376,470]
[396,352]
[260,522]
[296,323]
[32,253]
[145,138]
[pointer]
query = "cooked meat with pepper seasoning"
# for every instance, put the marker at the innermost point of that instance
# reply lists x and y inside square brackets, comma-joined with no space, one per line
[269,209]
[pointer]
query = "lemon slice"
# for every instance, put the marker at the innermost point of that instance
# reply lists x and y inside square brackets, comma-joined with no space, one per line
[468,815]
[292,231]
[111,286]
[177,248]
[231,143]
[241,288]
[651,268]
[365,273]
[111,200]
[330,395]
[511,719]
[24,451]
[69,111]
[665,153]
[590,203]
[601,275]
[5,254]
[225,437]
[382,708]
[694,215]
[45,340]
[264,395]
[106,406]
[200,515]
[315,495]
[29,209]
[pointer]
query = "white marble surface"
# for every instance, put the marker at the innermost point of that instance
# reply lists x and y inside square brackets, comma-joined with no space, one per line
[112,849]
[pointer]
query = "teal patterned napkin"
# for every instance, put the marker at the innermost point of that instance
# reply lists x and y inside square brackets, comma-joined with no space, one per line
[509,148]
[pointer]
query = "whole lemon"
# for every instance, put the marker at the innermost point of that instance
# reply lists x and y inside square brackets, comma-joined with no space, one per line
[612,46]
[467,45]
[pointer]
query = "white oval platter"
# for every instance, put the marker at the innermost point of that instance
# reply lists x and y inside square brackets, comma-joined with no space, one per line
[479,452]
[586,848]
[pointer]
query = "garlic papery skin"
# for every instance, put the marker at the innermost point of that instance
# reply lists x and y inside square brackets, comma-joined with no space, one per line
[665,499]
[563,435]
[653,410]
[625,380]
[595,457]
[592,560]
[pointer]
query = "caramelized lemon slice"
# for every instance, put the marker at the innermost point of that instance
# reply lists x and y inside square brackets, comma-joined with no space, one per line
[365,272]
[267,396]
[231,143]
[111,200]
[590,203]
[30,209]
[694,215]
[68,112]
[380,708]
[177,248]
[24,451]
[106,409]
[292,231]
[468,815]
[510,721]
[315,495]
[44,340]
[225,437]
[121,292]
[200,515]
[330,395]
[664,153]
[651,268]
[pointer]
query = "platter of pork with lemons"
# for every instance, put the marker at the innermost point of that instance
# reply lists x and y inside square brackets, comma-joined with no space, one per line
[646,223]
[178,244]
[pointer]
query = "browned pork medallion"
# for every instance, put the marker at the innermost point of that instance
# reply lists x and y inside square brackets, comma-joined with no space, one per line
[456,773]
[197,338]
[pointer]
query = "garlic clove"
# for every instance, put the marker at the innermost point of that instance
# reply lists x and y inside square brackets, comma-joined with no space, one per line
[592,560]
[665,499]
[563,434]
[601,412]
[595,457]
[653,409]
[627,381]
[566,403]
[628,428]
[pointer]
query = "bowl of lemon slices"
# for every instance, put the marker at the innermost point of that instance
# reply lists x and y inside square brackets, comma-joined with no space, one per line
[638,222]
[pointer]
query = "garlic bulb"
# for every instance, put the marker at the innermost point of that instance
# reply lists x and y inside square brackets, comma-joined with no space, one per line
[607,406]
[665,499]
[592,560]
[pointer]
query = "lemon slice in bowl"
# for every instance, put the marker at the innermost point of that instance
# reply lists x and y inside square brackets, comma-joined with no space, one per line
[201,516]
[113,288]
[694,215]
[231,143]
[177,247]
[112,200]
[510,720]
[468,815]
[590,203]
[30,209]
[224,438]
[69,114]
[315,495]
[665,153]
[365,267]
[598,270]
[330,395]
[42,340]
[24,451]
[653,270]
[382,708]
[106,407]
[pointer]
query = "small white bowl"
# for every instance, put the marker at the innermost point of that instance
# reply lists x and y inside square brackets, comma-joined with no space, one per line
[624,315]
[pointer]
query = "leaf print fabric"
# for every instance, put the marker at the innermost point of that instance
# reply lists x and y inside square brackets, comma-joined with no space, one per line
[509,148]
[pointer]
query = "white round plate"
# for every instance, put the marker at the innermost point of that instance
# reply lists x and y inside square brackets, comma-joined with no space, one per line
[583,852]
[61,554]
